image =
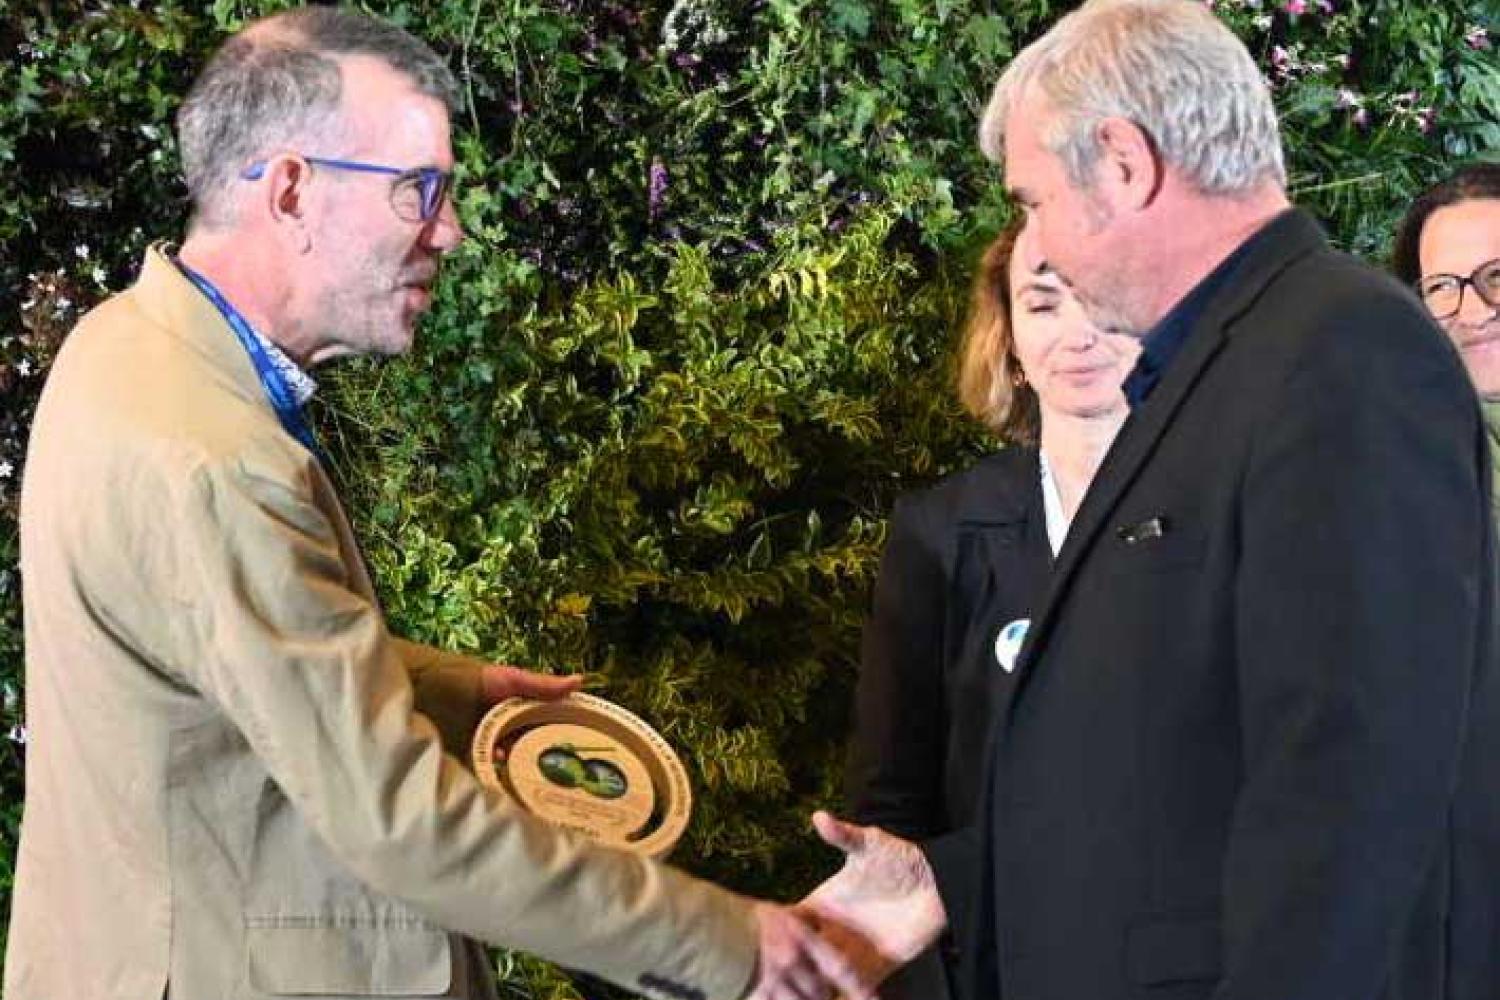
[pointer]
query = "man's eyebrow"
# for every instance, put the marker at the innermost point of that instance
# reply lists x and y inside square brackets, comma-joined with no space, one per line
[1020,194]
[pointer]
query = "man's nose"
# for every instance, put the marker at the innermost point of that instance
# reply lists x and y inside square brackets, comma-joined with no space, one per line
[445,232]
[1028,246]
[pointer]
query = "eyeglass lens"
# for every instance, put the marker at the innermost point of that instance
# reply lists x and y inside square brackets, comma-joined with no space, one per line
[418,197]
[1444,293]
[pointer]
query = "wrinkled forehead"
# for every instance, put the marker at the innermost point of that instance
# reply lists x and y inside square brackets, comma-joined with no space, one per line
[383,113]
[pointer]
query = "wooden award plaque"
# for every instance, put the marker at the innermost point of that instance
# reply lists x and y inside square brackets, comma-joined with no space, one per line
[589,765]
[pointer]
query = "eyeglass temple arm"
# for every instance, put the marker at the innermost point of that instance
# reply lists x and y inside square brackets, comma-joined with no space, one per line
[257,170]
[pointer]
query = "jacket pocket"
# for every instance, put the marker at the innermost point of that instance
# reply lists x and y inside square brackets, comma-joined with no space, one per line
[1172,551]
[360,959]
[1165,950]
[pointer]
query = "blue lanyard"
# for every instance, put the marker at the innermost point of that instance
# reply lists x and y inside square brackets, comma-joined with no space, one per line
[283,400]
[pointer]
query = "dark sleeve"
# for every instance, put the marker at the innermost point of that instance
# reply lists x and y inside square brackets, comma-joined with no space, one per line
[895,774]
[1359,618]
[954,858]
[1475,917]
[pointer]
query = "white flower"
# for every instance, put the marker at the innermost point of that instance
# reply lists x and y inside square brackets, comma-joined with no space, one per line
[18,734]
[5,473]
[24,367]
[684,18]
[98,275]
[82,250]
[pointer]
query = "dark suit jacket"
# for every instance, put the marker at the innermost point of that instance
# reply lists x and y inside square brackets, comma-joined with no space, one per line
[962,560]
[1227,768]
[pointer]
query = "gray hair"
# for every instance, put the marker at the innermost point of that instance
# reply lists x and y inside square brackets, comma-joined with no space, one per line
[1170,67]
[278,83]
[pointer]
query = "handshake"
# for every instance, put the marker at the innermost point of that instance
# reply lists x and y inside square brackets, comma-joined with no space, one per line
[878,912]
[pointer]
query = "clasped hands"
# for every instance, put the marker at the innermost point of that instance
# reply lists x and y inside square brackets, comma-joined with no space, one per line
[876,913]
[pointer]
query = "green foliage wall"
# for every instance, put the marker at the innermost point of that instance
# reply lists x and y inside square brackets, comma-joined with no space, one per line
[699,337]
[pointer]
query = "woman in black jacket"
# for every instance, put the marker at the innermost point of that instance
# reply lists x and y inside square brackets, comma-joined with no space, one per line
[967,559]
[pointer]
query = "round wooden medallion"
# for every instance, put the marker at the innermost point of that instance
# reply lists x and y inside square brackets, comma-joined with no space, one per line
[589,765]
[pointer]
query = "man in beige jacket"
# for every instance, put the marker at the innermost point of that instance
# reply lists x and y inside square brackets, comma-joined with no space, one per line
[237,784]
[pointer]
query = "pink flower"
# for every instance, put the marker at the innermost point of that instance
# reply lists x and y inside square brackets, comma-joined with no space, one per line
[1296,8]
[1477,38]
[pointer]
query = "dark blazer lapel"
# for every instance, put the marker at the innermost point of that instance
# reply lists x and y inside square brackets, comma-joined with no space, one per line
[1018,559]
[1288,237]
[1000,544]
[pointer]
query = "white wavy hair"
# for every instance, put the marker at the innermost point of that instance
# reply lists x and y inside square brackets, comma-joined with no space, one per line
[1170,67]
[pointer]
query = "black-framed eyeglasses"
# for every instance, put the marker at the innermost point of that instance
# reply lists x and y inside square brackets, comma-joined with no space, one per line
[417,194]
[1444,293]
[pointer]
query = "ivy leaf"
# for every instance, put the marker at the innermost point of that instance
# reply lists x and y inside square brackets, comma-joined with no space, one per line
[850,17]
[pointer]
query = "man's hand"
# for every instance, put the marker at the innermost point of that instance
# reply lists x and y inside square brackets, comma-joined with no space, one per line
[795,963]
[882,909]
[499,682]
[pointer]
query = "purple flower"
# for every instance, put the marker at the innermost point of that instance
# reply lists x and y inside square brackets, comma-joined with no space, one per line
[1477,38]
[657,187]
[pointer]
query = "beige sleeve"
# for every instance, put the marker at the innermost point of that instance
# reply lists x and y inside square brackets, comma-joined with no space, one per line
[446,687]
[304,666]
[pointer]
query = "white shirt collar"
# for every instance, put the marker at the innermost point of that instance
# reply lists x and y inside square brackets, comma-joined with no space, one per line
[1057,522]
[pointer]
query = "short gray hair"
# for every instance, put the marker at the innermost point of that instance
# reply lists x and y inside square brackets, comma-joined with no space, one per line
[1170,67]
[278,83]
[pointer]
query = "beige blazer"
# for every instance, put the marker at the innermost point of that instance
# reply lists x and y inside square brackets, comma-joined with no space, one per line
[235,781]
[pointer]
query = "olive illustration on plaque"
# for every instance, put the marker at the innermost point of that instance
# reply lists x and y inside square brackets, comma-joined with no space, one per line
[564,765]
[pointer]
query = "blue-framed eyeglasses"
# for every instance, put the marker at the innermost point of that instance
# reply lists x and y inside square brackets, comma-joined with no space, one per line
[417,194]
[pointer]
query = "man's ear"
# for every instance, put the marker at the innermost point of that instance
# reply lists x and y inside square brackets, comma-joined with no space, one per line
[1130,166]
[288,196]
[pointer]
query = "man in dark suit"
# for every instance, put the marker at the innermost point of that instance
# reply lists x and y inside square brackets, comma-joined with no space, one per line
[1231,765]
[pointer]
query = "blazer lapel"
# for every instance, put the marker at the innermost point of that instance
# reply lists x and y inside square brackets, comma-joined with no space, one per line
[997,561]
[1018,560]
[1288,237]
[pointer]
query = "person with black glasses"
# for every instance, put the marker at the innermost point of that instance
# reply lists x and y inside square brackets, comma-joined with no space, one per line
[1448,249]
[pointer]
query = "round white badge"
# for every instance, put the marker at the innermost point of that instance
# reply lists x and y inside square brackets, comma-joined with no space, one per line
[1008,643]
